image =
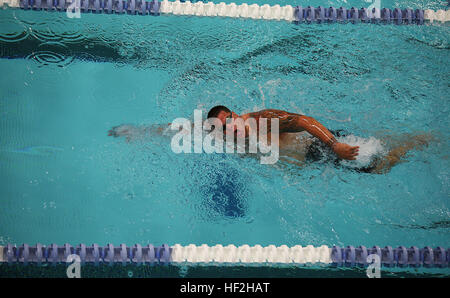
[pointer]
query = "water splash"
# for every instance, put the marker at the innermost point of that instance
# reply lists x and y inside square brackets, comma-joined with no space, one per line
[369,148]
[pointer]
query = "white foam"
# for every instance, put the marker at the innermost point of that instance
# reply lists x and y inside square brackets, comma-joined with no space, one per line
[369,148]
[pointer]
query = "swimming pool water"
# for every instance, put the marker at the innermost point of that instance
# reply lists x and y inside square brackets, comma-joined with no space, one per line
[64,180]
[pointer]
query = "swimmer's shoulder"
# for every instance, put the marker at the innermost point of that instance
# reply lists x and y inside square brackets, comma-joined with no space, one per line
[266,113]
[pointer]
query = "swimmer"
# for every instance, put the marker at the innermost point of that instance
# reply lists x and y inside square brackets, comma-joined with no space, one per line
[301,138]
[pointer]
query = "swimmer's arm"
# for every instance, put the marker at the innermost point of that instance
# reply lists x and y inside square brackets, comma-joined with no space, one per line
[291,123]
[131,132]
[298,123]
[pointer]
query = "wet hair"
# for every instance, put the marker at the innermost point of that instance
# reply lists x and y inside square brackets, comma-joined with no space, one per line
[214,112]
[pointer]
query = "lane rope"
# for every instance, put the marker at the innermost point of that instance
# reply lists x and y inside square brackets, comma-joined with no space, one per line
[348,256]
[297,14]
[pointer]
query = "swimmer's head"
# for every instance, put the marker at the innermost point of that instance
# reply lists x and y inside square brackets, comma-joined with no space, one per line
[222,113]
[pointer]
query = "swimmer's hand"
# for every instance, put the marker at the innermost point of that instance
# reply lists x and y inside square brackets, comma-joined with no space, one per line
[124,130]
[134,133]
[345,151]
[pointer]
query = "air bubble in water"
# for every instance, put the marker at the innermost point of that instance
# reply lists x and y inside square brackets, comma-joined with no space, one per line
[183,271]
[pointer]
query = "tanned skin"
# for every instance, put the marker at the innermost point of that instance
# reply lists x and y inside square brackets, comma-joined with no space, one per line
[294,123]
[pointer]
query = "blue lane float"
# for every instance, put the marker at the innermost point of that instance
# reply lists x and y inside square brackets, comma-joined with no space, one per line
[131,7]
[335,256]
[392,257]
[54,254]
[354,15]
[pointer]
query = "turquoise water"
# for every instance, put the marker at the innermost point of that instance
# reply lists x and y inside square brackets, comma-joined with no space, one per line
[64,180]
